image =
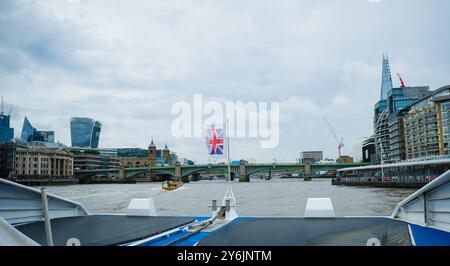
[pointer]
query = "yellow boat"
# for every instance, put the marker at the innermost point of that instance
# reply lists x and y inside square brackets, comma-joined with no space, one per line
[172,185]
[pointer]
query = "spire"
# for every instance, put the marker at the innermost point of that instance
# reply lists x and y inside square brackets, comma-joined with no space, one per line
[165,147]
[386,78]
[152,144]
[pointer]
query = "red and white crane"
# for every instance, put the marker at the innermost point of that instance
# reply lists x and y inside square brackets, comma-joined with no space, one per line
[402,83]
[340,143]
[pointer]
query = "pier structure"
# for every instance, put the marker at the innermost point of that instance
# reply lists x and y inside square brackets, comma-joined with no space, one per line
[408,174]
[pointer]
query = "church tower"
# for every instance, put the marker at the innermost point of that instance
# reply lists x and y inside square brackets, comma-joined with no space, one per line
[152,154]
[166,154]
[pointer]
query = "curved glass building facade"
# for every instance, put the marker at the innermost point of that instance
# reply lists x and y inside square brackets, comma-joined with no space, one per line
[85,132]
[30,133]
[27,130]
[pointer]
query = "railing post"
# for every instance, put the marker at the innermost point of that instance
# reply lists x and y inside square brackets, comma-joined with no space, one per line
[48,226]
[227,205]
[214,205]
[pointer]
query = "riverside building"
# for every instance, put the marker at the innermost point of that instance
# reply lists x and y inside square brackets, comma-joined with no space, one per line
[40,161]
[388,116]
[151,157]
[427,126]
[311,156]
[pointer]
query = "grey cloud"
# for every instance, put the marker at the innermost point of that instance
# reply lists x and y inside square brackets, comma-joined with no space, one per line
[125,63]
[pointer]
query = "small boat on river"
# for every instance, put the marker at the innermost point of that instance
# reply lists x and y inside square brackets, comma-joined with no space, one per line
[172,185]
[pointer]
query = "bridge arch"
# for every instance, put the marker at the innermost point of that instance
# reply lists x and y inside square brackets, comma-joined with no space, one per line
[91,174]
[133,174]
[206,169]
[165,172]
[302,172]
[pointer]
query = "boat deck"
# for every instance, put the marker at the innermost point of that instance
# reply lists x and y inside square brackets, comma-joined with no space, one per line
[310,232]
[102,230]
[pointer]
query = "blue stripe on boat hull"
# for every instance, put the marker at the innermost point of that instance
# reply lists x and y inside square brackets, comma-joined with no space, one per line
[426,236]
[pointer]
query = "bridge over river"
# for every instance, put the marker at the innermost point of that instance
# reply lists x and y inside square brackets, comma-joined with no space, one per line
[243,170]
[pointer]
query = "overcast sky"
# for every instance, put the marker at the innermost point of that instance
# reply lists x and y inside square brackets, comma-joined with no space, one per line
[125,63]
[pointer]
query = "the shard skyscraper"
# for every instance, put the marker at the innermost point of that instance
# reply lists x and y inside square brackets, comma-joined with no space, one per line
[394,103]
[381,119]
[386,82]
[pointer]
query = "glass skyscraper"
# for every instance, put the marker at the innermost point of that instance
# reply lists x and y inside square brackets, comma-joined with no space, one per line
[386,87]
[6,132]
[394,103]
[44,136]
[85,132]
[29,133]
[27,130]
[386,78]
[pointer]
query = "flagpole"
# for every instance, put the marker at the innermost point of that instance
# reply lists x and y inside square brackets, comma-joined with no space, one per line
[228,152]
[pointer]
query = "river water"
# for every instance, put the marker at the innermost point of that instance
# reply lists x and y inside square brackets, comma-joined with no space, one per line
[278,197]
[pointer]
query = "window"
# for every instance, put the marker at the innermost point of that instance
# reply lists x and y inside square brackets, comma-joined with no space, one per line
[445,106]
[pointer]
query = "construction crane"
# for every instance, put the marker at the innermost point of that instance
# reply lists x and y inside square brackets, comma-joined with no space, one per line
[2,108]
[340,143]
[402,83]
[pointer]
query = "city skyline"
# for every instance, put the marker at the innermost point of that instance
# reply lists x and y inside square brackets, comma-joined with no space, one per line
[80,61]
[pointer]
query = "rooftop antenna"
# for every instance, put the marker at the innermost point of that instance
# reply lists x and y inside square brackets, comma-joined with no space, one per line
[2,107]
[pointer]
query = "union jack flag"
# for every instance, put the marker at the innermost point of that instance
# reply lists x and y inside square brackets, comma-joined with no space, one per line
[215,141]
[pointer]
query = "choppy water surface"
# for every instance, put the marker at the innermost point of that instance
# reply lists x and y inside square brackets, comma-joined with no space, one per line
[279,197]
